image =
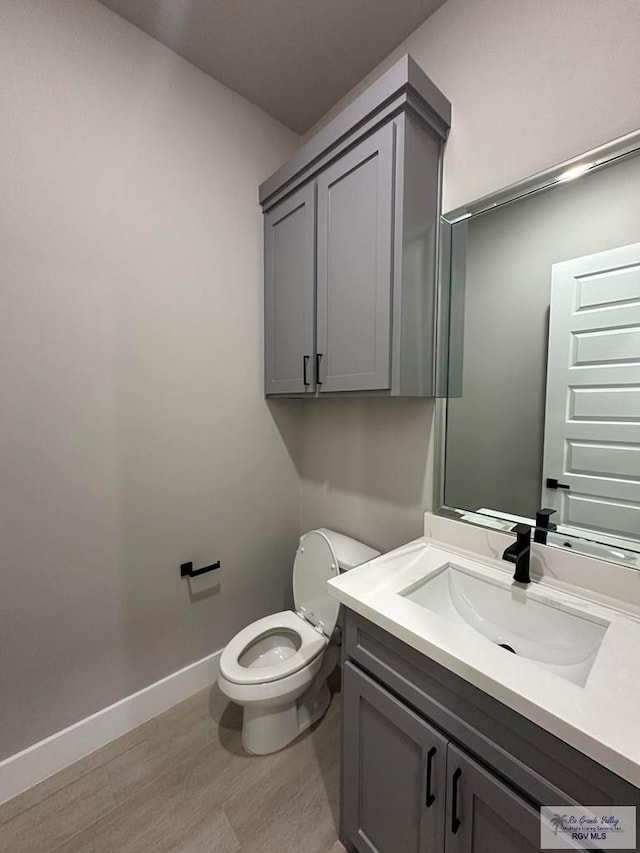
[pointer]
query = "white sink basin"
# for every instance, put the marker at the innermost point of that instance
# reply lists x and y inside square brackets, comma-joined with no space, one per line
[575,669]
[528,623]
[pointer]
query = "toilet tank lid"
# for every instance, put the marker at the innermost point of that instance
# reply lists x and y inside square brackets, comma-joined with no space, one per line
[349,552]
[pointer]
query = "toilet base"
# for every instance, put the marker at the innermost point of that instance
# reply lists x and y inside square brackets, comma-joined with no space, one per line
[268,729]
[313,707]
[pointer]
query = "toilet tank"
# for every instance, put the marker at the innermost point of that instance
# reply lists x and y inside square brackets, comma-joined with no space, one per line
[349,552]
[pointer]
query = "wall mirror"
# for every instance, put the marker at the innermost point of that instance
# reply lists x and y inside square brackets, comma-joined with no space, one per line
[542,406]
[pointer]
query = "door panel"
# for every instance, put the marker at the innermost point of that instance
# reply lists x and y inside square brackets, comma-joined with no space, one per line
[289,252]
[592,426]
[609,288]
[610,404]
[482,814]
[355,231]
[613,518]
[608,346]
[394,772]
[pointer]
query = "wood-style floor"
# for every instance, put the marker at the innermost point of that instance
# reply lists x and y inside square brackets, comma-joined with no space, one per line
[182,783]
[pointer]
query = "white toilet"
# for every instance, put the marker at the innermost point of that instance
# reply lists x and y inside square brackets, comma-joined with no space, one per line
[277,667]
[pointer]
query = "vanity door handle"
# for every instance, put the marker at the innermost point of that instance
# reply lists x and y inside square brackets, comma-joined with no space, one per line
[430,798]
[318,358]
[455,820]
[305,362]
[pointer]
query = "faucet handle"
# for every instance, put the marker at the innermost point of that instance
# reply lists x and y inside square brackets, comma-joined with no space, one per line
[542,516]
[543,524]
[518,552]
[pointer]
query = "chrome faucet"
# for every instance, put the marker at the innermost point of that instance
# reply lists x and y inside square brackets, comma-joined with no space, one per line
[519,553]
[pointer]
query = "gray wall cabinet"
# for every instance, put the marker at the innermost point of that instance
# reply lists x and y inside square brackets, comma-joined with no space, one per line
[430,763]
[351,247]
[355,222]
[289,294]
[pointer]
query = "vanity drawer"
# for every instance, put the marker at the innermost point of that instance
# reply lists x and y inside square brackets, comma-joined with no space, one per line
[542,767]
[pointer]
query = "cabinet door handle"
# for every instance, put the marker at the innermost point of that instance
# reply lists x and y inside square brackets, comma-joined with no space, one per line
[318,357]
[455,820]
[430,798]
[305,362]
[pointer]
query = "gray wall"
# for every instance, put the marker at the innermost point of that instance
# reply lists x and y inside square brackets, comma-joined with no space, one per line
[495,431]
[363,467]
[134,434]
[532,82]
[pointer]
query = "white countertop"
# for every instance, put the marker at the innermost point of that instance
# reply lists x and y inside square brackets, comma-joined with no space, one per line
[600,719]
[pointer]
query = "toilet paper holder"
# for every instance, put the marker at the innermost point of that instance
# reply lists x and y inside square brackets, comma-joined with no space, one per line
[187,570]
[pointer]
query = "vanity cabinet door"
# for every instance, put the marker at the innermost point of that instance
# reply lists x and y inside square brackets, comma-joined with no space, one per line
[289,294]
[393,772]
[483,815]
[355,235]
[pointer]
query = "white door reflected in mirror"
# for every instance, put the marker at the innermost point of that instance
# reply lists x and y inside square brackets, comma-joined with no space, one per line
[592,415]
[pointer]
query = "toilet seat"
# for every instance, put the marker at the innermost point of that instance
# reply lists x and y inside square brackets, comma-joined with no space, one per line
[315,564]
[312,643]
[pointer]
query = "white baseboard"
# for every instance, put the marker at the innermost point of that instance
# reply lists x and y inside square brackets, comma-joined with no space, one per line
[48,756]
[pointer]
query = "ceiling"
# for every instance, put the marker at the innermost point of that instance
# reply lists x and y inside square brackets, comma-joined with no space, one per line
[293,58]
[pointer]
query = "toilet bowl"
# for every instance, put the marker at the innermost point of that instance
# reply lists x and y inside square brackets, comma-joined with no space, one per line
[277,667]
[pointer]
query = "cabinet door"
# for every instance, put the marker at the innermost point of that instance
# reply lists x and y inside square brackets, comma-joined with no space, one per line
[483,814]
[289,294]
[393,772]
[355,232]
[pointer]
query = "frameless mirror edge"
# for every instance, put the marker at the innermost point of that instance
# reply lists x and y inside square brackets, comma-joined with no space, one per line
[589,161]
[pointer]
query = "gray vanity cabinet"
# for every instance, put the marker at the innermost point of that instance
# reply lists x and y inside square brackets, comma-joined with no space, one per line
[350,247]
[355,236]
[483,814]
[289,294]
[408,789]
[395,800]
[432,764]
